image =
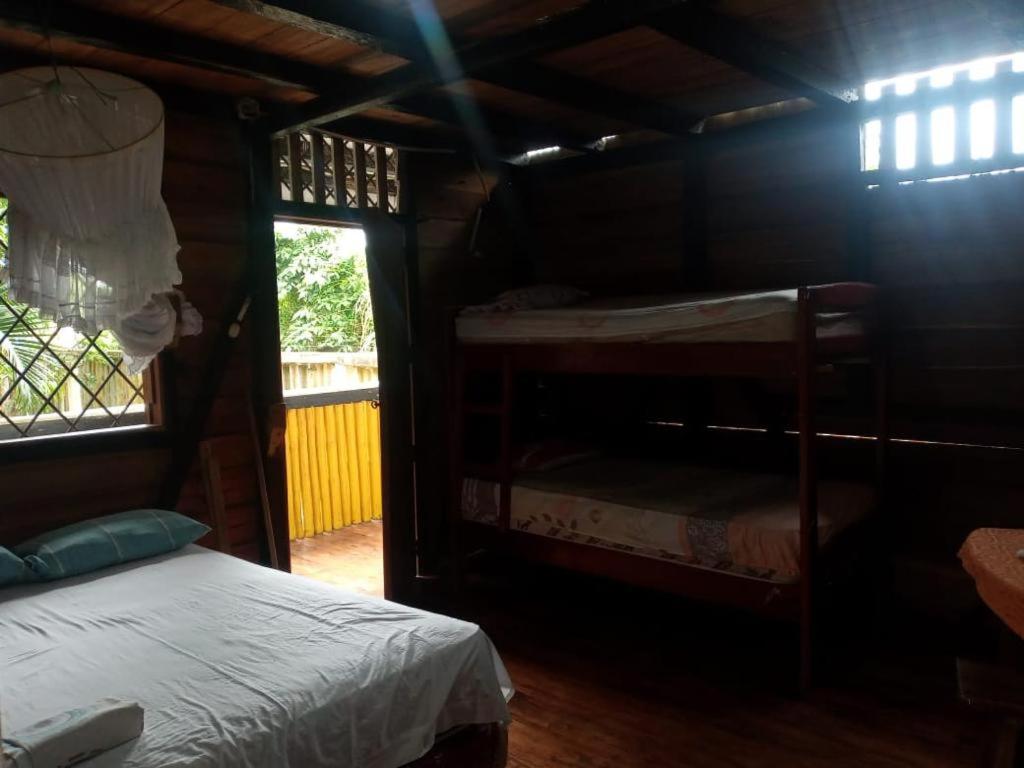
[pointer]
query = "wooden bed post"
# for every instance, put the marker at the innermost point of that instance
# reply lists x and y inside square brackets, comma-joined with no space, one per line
[505,454]
[880,363]
[808,482]
[456,451]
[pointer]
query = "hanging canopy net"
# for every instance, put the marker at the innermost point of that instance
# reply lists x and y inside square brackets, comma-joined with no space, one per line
[91,243]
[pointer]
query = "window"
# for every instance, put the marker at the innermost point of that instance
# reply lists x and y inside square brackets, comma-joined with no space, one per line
[55,381]
[950,122]
[315,167]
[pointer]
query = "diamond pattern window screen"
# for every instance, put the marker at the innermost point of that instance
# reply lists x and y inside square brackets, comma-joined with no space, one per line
[54,381]
[320,168]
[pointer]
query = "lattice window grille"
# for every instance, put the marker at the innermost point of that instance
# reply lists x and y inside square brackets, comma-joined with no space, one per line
[306,164]
[392,178]
[53,381]
[351,194]
[372,176]
[282,164]
[330,177]
[314,167]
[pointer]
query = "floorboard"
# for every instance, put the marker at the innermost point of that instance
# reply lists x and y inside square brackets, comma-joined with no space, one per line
[611,677]
[351,558]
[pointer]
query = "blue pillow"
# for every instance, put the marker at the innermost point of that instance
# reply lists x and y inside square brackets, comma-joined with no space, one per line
[105,541]
[13,569]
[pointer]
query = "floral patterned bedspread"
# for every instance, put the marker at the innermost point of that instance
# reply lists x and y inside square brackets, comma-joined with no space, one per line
[744,523]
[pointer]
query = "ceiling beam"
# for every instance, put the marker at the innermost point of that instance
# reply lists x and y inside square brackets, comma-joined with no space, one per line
[386,31]
[512,131]
[111,32]
[571,28]
[124,35]
[737,43]
[390,32]
[373,27]
[590,96]
[395,134]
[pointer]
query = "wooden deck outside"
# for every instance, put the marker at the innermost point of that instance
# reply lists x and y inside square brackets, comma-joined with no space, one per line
[351,558]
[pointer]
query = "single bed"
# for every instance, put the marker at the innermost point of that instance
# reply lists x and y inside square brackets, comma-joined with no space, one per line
[743,523]
[240,665]
[763,317]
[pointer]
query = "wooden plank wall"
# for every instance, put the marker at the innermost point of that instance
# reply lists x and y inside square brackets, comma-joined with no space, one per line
[446,193]
[206,189]
[610,232]
[950,255]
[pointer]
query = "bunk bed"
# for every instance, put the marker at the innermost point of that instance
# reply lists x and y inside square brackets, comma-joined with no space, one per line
[741,538]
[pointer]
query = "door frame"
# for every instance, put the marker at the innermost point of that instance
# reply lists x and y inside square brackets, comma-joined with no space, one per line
[391,272]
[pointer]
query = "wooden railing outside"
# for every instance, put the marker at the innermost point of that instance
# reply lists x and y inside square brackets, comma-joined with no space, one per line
[332,441]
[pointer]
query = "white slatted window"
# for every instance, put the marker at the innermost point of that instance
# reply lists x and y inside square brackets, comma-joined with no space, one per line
[951,122]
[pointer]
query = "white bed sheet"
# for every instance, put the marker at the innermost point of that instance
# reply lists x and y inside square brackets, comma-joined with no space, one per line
[239,665]
[765,316]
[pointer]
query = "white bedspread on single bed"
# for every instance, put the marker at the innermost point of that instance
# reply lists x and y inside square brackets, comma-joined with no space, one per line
[239,665]
[764,316]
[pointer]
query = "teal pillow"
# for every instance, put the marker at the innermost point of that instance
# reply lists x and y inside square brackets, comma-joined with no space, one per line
[105,541]
[13,569]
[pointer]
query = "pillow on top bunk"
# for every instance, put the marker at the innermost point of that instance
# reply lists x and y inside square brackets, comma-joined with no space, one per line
[13,569]
[531,297]
[110,540]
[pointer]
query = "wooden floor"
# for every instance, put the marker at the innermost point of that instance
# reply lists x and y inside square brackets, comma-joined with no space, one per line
[609,677]
[351,558]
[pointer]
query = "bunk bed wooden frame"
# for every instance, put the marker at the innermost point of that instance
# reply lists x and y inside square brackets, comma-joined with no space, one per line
[800,358]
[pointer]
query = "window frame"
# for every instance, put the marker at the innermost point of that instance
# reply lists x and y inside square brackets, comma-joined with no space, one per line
[960,94]
[156,383]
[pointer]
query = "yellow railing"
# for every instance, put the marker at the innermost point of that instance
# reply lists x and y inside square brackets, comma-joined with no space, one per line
[332,441]
[333,455]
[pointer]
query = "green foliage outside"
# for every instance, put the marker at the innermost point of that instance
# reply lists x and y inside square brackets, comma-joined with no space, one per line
[323,292]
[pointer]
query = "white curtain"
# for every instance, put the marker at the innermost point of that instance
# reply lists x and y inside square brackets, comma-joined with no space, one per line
[91,243]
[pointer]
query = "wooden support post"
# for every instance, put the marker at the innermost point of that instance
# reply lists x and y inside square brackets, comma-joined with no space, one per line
[858,224]
[808,480]
[880,363]
[295,166]
[381,164]
[267,391]
[456,451]
[359,160]
[505,450]
[386,241]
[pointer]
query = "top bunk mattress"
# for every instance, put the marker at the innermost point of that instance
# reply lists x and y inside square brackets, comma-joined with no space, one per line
[768,316]
[236,664]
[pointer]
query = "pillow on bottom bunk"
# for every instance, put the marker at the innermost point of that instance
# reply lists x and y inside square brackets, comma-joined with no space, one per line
[110,540]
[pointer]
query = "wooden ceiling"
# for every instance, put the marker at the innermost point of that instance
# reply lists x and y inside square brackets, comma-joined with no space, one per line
[539,71]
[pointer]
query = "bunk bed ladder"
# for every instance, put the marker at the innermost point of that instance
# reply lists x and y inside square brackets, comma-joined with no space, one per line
[808,474]
[503,470]
[505,450]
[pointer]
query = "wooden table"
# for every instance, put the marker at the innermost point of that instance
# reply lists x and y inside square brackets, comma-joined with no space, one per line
[990,556]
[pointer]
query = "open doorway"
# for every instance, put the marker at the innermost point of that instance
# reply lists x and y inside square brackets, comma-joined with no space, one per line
[329,374]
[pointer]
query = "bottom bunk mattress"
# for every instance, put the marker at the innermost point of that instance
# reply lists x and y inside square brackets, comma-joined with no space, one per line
[239,665]
[745,523]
